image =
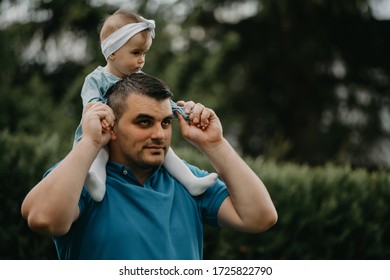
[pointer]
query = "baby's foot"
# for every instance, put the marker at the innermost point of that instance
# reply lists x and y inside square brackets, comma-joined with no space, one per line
[199,185]
[95,187]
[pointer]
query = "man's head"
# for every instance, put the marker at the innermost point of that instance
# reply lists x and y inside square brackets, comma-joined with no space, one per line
[143,119]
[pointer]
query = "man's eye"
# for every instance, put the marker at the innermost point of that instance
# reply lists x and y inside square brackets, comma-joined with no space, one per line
[167,122]
[144,123]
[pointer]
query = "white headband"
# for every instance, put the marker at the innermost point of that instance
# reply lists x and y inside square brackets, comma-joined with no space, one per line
[118,38]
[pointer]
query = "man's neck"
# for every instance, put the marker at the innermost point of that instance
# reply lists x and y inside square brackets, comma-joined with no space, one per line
[140,173]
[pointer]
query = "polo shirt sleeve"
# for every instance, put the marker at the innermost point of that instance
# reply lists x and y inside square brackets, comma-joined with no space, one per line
[212,198]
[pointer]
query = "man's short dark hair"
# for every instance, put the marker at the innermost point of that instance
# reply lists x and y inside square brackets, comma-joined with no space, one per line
[138,83]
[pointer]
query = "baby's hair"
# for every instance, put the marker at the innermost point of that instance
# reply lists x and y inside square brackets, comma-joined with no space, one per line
[115,21]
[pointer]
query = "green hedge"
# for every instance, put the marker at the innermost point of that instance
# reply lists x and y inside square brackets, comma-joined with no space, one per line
[324,213]
[327,212]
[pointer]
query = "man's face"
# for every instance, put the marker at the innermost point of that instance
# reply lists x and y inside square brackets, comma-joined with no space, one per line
[143,134]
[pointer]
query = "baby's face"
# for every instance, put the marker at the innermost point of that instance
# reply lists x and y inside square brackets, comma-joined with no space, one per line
[130,58]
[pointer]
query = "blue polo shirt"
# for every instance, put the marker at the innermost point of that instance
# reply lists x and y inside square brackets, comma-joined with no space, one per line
[159,220]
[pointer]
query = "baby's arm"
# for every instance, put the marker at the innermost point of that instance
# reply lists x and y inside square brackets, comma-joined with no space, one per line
[92,91]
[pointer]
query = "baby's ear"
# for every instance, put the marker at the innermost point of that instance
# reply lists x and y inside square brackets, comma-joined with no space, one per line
[111,56]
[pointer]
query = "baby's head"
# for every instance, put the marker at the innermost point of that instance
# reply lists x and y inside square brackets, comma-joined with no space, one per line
[117,20]
[126,30]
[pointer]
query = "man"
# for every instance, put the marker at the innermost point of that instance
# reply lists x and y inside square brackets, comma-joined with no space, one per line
[145,214]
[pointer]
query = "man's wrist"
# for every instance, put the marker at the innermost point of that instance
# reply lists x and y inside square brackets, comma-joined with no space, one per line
[215,148]
[88,144]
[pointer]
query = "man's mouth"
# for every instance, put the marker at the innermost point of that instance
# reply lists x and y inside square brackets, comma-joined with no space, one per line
[155,148]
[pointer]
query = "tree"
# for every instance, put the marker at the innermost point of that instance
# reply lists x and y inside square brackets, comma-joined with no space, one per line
[303,81]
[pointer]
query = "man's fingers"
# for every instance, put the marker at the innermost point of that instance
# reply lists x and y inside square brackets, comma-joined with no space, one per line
[184,126]
[187,106]
[103,111]
[199,114]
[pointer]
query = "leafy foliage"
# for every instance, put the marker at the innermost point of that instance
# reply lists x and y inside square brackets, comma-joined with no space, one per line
[324,213]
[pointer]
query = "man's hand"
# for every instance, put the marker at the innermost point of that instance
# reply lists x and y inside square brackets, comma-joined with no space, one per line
[98,121]
[204,130]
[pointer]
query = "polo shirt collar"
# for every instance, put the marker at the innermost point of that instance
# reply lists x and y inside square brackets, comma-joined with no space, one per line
[120,169]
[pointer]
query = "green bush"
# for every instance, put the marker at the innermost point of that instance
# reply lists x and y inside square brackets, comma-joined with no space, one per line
[22,164]
[324,213]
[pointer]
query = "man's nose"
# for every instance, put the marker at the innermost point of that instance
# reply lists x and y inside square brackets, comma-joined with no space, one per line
[158,132]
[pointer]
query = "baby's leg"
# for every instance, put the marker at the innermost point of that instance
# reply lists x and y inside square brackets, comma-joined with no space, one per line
[96,178]
[177,168]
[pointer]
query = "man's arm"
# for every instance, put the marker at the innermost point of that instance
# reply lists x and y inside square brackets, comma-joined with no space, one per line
[51,206]
[249,207]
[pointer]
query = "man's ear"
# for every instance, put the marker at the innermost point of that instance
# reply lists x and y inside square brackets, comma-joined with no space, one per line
[113,133]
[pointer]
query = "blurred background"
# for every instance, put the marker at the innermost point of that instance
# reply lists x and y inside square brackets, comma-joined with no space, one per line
[302,88]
